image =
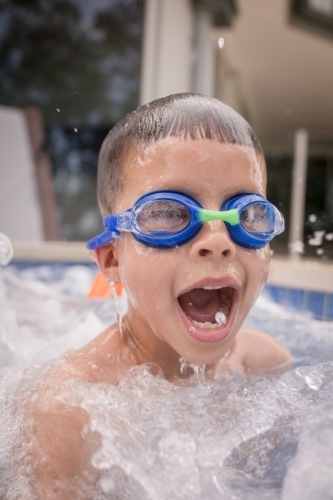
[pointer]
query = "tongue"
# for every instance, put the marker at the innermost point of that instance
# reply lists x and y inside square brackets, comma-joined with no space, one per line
[201,305]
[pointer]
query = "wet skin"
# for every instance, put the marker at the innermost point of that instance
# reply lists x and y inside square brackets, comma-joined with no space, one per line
[210,172]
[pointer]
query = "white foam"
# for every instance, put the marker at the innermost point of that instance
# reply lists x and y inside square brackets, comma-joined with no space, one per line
[235,438]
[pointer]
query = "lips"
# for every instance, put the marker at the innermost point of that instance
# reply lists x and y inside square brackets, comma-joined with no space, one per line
[208,308]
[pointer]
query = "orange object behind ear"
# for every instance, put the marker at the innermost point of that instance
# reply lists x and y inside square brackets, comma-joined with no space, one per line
[101,288]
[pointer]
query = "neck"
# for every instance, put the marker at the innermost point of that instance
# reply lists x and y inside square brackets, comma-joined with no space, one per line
[153,351]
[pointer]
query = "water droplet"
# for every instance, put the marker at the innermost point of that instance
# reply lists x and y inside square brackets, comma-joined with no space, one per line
[296,247]
[199,370]
[313,381]
[319,251]
[6,250]
[221,42]
[117,307]
[312,218]
[317,238]
[92,257]
[192,329]
[75,130]
[58,110]
[183,365]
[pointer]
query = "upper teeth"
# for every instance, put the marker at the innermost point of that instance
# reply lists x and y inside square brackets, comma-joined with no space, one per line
[212,287]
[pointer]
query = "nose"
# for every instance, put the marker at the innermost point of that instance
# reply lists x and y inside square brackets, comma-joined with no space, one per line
[213,241]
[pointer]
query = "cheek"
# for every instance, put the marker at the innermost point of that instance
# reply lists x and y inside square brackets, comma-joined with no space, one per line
[264,259]
[142,271]
[257,268]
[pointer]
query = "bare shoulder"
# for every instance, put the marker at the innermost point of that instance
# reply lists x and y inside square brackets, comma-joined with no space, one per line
[55,429]
[58,450]
[257,351]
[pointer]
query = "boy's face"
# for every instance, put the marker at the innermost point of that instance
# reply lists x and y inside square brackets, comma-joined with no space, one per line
[165,287]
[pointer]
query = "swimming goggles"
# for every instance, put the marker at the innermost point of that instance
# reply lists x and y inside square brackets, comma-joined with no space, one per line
[165,219]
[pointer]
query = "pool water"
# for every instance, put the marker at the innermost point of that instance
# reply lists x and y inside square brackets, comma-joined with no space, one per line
[237,438]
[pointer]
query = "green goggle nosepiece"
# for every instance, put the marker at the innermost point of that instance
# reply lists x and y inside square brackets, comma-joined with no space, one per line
[230,216]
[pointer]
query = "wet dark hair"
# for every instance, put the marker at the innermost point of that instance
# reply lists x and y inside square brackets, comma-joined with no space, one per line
[186,116]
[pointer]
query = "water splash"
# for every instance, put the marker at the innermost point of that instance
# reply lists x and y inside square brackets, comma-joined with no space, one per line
[235,437]
[199,370]
[117,306]
[317,238]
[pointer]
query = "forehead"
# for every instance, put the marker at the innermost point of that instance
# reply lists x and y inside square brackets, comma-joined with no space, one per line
[198,167]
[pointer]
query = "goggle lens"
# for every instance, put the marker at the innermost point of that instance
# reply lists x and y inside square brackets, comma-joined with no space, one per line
[162,216]
[258,218]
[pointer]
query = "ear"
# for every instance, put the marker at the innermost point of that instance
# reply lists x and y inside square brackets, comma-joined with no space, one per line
[107,262]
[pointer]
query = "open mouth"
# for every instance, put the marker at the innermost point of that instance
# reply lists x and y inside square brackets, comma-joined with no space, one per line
[208,311]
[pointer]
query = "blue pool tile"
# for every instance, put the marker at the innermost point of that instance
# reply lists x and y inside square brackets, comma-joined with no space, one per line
[295,299]
[329,310]
[318,304]
[315,304]
[277,293]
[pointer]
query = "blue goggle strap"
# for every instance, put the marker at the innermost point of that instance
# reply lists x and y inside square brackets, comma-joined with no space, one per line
[106,236]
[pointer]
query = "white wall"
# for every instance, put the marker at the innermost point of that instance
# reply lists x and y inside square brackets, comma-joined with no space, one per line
[20,216]
[167,48]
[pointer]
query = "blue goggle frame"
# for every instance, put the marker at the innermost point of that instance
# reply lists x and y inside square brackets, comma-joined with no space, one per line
[230,214]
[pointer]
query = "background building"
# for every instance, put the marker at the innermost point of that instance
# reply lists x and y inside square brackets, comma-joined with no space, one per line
[85,64]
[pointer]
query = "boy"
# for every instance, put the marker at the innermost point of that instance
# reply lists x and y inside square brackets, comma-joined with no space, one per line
[192,255]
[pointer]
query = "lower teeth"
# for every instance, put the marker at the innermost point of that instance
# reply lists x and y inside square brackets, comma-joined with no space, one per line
[220,318]
[207,324]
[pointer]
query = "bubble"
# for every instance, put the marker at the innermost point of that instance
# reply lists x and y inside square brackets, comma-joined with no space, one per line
[75,130]
[6,250]
[319,251]
[329,236]
[296,247]
[221,42]
[312,218]
[58,110]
